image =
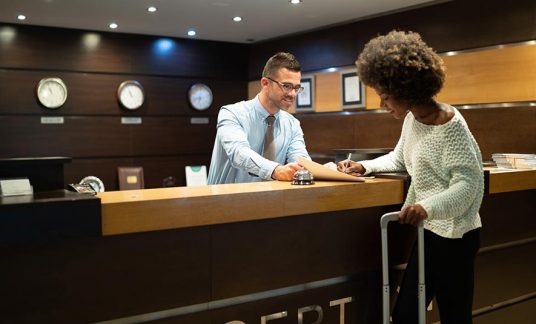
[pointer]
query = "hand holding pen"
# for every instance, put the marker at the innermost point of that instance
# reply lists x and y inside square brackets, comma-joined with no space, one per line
[347,162]
[350,167]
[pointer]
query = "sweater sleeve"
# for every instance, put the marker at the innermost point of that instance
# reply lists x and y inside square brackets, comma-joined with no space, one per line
[463,167]
[392,161]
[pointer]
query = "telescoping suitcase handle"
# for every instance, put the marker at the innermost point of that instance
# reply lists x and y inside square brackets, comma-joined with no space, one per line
[386,218]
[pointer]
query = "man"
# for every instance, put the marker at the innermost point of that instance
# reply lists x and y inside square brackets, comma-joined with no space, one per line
[242,150]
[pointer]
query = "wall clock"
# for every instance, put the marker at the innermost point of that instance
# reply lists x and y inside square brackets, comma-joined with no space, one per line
[130,94]
[51,92]
[200,96]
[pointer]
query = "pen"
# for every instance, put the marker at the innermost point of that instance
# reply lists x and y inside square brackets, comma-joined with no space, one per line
[347,162]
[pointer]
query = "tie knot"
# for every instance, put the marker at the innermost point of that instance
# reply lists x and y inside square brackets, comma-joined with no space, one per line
[270,120]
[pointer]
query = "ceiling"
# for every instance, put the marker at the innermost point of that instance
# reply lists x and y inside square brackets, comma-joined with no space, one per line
[211,19]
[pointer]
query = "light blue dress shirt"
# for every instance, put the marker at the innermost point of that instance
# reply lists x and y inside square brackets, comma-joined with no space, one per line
[237,153]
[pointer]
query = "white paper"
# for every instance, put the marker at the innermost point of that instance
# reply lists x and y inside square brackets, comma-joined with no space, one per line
[321,172]
[351,87]
[304,97]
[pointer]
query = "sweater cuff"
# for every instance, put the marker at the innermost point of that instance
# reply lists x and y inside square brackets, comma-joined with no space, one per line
[367,166]
[428,207]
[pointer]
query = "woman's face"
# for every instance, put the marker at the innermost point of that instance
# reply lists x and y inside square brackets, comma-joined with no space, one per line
[397,108]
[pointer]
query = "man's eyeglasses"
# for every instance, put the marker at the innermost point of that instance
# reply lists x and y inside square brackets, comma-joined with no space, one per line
[287,87]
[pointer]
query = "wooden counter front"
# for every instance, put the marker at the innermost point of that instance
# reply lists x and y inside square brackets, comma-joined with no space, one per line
[170,208]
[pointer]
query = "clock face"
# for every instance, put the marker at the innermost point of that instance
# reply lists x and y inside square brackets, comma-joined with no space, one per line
[130,94]
[200,96]
[51,92]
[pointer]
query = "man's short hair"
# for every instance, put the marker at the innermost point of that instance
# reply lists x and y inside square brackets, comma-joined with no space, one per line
[279,61]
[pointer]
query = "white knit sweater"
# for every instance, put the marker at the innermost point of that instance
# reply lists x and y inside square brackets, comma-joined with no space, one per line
[445,166]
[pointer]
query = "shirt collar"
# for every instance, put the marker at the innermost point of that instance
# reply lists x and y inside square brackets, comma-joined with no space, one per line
[260,109]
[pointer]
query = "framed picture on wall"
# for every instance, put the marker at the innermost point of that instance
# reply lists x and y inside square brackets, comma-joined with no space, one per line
[305,99]
[353,91]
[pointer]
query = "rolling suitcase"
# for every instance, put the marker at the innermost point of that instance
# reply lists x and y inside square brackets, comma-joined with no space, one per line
[386,218]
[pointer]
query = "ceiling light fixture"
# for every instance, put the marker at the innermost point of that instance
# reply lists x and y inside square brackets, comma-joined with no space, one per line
[113,25]
[152,9]
[191,33]
[295,1]
[21,17]
[237,18]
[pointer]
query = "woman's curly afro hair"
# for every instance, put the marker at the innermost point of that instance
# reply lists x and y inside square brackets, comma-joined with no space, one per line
[401,65]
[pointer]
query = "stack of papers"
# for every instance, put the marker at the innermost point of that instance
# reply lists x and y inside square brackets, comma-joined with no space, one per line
[514,160]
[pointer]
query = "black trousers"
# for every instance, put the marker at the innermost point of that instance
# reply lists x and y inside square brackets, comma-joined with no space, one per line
[449,275]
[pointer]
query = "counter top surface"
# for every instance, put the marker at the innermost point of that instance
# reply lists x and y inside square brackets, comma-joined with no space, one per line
[507,180]
[167,208]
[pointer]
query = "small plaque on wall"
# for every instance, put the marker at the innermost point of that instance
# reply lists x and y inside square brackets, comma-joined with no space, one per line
[353,92]
[131,120]
[305,99]
[52,120]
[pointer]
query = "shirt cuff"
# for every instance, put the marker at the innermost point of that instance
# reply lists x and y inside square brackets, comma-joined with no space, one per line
[266,170]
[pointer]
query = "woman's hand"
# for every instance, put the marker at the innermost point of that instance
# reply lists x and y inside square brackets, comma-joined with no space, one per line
[412,214]
[354,168]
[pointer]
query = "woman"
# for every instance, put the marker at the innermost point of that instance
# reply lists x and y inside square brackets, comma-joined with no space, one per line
[440,154]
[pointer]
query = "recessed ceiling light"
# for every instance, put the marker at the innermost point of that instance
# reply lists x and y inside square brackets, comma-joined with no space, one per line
[295,1]
[152,9]
[191,33]
[21,17]
[237,18]
[113,25]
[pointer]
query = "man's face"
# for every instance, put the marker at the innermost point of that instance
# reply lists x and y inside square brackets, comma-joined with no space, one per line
[282,88]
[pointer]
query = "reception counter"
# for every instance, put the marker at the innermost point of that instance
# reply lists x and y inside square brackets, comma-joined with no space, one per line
[170,208]
[256,253]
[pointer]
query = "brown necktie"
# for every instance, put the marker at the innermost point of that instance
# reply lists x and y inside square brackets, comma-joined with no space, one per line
[269,144]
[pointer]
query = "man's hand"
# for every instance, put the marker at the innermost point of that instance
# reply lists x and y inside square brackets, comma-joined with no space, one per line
[412,214]
[285,172]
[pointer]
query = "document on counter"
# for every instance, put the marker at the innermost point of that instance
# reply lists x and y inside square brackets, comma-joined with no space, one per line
[321,172]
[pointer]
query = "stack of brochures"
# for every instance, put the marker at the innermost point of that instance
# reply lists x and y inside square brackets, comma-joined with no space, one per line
[514,160]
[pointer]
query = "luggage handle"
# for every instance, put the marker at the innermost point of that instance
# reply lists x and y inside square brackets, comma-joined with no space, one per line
[384,221]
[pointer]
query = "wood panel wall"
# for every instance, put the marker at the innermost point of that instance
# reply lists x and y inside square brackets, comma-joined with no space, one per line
[92,133]
[507,130]
[446,26]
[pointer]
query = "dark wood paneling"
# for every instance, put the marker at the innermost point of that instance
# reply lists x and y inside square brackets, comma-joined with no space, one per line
[77,137]
[496,130]
[497,208]
[324,132]
[521,313]
[88,136]
[377,130]
[504,274]
[67,49]
[89,280]
[92,130]
[363,309]
[278,252]
[94,94]
[503,130]
[453,25]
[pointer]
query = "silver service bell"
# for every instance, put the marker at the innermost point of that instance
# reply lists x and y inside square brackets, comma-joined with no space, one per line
[303,177]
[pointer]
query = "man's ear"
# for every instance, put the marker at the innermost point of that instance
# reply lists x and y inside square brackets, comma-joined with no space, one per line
[264,82]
